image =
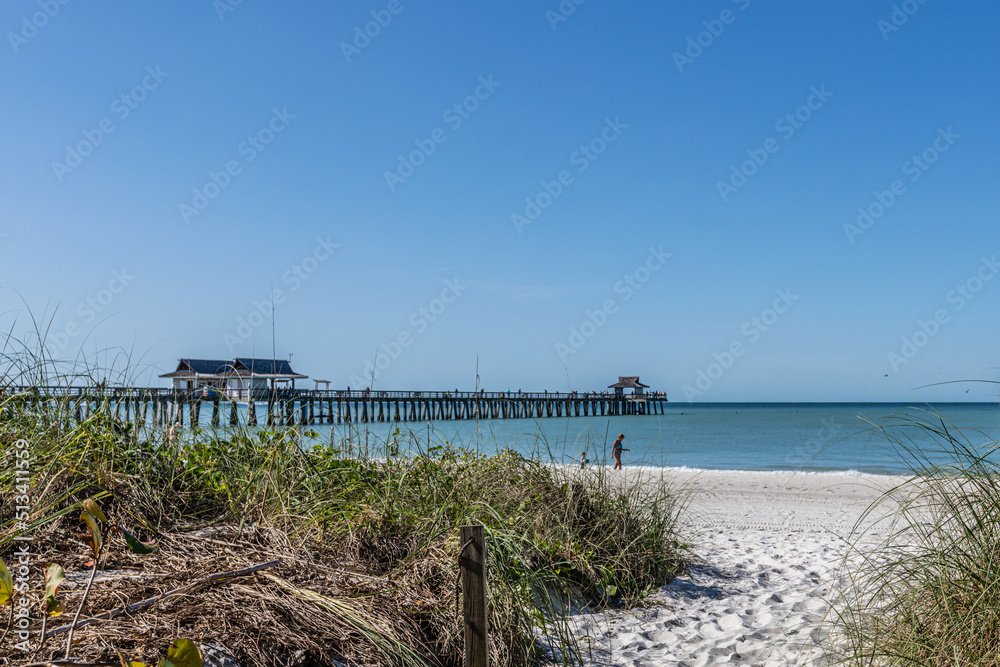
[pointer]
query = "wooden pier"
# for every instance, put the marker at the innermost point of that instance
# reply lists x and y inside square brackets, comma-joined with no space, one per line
[160,407]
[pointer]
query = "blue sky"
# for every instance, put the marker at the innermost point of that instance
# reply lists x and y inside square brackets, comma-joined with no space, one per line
[663,189]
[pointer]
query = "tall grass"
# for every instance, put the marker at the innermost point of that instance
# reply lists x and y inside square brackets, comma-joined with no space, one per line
[927,592]
[555,535]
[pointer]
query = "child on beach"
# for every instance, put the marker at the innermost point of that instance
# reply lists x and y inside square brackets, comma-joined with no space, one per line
[616,451]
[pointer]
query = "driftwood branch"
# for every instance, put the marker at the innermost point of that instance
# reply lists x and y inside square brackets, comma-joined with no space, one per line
[211,579]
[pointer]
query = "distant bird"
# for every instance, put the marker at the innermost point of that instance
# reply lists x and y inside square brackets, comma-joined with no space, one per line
[886,375]
[966,391]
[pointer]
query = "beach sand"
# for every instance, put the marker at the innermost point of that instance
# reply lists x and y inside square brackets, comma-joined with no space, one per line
[769,550]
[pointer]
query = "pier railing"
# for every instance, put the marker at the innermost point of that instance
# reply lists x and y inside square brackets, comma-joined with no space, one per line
[110,391]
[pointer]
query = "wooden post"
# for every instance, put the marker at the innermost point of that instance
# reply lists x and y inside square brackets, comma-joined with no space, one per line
[473,565]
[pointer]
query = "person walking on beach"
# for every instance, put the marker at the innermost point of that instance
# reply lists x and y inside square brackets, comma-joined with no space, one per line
[616,451]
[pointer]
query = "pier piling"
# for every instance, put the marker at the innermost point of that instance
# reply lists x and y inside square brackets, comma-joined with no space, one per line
[161,407]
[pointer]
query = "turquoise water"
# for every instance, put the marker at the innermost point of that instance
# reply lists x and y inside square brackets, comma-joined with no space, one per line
[721,436]
[714,436]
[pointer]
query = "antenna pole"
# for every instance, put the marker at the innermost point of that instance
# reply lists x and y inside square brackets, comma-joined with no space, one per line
[478,401]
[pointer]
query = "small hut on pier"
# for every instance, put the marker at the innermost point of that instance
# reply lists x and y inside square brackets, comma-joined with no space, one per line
[628,382]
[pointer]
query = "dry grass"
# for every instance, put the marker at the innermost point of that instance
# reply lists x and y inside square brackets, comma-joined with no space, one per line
[929,592]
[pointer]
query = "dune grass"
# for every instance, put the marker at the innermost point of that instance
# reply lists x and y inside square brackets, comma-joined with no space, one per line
[927,592]
[385,526]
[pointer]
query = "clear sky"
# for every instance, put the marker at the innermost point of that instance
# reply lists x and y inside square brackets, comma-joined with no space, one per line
[567,192]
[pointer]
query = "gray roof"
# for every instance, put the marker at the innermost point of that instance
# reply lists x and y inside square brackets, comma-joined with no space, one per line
[628,382]
[277,367]
[192,367]
[240,366]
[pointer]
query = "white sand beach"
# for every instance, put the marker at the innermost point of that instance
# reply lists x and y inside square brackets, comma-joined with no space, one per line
[769,549]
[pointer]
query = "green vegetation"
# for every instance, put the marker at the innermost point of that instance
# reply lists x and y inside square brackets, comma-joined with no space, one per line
[369,545]
[928,591]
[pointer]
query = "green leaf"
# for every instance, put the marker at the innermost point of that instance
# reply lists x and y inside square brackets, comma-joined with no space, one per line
[183,653]
[6,586]
[95,540]
[94,510]
[610,590]
[137,547]
[131,663]
[54,575]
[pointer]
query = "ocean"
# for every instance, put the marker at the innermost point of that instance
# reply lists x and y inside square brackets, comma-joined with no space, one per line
[809,437]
